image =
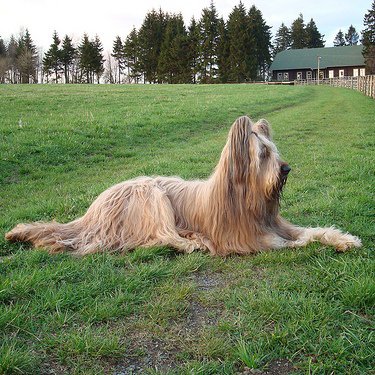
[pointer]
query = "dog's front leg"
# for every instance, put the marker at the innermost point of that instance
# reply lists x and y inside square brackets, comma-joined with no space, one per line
[327,236]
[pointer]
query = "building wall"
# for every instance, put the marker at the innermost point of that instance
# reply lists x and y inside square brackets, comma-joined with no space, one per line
[345,71]
[292,75]
[302,74]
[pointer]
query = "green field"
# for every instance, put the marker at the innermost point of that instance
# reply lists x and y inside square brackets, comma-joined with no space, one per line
[304,311]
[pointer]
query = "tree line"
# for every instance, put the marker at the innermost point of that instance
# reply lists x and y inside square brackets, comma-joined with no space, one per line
[298,35]
[208,50]
[165,50]
[19,61]
[350,38]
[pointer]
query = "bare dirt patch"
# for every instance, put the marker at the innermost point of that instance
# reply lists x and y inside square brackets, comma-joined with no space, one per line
[207,281]
[148,352]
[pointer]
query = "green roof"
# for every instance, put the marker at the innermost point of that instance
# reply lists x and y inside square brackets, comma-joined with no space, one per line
[307,58]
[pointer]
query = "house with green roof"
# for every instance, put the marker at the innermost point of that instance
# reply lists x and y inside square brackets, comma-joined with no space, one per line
[331,62]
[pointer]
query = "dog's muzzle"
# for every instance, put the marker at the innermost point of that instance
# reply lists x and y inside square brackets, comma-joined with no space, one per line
[285,169]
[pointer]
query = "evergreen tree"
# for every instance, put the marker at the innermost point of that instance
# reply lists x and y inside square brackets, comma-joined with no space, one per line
[313,37]
[283,39]
[239,44]
[68,54]
[131,56]
[261,34]
[150,38]
[223,52]
[339,40]
[209,36]
[52,58]
[118,54]
[85,52]
[165,67]
[298,33]
[180,52]
[173,51]
[193,49]
[27,58]
[368,39]
[97,58]
[351,37]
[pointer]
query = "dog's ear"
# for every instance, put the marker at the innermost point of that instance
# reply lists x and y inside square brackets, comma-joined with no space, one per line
[239,136]
[239,149]
[263,127]
[242,124]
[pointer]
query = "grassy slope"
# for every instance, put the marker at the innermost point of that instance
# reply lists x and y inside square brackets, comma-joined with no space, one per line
[62,145]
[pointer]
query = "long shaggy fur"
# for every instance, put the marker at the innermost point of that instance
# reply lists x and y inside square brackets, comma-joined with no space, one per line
[235,211]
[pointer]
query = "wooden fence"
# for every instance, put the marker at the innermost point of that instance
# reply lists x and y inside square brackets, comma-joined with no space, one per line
[365,84]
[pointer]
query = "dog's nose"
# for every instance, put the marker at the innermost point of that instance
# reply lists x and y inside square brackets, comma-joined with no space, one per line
[285,169]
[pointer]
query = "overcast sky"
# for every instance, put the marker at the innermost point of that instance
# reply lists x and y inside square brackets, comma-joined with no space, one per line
[117,17]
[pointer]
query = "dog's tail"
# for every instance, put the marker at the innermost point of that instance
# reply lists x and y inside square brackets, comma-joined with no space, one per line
[53,236]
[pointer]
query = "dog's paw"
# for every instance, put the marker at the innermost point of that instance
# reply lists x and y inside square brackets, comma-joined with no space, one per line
[16,233]
[346,242]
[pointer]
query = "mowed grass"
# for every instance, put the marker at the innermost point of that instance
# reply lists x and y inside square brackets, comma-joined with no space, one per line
[306,311]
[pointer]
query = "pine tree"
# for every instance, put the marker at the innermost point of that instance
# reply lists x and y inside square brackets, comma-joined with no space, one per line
[85,59]
[239,44]
[118,54]
[97,58]
[298,33]
[339,40]
[173,51]
[313,37]
[368,39]
[193,49]
[283,39]
[131,56]
[180,52]
[27,58]
[165,63]
[68,53]
[223,52]
[209,36]
[150,38]
[351,37]
[52,58]
[261,34]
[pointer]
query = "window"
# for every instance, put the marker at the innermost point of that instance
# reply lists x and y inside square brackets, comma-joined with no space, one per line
[279,76]
[355,72]
[309,74]
[299,76]
[331,73]
[341,73]
[286,76]
[362,72]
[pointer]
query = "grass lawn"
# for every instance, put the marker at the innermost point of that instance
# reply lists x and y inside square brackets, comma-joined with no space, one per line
[303,311]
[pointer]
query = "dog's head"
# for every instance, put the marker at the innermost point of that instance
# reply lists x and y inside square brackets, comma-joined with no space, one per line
[253,159]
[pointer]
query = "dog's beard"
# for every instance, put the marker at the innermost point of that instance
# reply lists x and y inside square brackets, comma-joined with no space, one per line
[279,187]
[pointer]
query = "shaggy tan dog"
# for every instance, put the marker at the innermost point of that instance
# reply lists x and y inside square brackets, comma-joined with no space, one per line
[235,211]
